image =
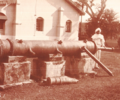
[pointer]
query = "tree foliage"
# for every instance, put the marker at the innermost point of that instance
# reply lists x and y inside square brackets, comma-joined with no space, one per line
[89,10]
[109,23]
[95,15]
[100,17]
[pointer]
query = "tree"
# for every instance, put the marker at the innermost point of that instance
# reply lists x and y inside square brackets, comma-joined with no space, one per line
[109,23]
[95,16]
[100,17]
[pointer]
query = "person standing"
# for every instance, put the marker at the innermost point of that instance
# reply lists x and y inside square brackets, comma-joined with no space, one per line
[98,38]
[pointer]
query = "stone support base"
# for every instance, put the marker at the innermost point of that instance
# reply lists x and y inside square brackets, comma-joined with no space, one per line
[44,69]
[16,59]
[15,71]
[79,66]
[52,68]
[51,65]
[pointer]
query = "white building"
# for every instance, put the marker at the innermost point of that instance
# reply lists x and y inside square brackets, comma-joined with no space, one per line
[39,19]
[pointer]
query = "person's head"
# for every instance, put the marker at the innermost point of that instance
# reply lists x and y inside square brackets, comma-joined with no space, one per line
[98,31]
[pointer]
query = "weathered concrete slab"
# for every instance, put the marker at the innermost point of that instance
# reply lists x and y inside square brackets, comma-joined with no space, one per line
[14,72]
[16,59]
[48,66]
[56,57]
[52,68]
[52,57]
[76,66]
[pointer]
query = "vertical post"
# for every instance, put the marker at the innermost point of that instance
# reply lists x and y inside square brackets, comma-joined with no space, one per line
[60,25]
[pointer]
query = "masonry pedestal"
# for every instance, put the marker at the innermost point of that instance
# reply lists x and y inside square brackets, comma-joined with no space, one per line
[76,66]
[14,72]
[51,66]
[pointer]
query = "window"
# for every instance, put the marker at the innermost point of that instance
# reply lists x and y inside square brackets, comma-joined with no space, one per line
[2,24]
[3,18]
[68,25]
[39,24]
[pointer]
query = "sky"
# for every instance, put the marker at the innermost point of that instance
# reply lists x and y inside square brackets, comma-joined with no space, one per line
[111,4]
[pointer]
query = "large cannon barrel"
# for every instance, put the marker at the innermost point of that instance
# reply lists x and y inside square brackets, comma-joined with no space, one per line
[43,47]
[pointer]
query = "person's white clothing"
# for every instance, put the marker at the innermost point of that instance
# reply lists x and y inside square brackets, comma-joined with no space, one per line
[100,42]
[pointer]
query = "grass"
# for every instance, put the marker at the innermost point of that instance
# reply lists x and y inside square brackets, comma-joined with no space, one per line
[112,42]
[101,87]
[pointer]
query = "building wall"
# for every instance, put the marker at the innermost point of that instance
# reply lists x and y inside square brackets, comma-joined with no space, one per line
[27,11]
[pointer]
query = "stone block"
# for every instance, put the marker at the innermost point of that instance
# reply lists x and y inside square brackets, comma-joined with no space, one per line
[16,59]
[52,57]
[77,66]
[16,72]
[52,68]
[56,57]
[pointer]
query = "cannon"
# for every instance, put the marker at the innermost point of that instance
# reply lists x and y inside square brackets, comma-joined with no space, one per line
[39,48]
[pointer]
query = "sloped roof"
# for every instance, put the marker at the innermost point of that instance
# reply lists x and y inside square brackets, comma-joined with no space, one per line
[75,6]
[8,1]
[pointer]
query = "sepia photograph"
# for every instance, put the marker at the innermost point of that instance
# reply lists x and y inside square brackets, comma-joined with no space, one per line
[59,49]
